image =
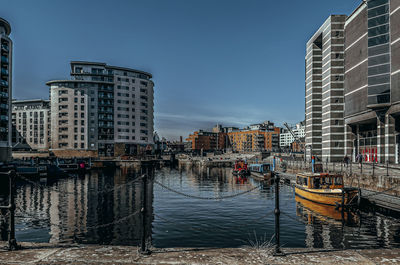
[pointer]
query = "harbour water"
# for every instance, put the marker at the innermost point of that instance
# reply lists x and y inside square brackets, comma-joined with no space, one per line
[103,207]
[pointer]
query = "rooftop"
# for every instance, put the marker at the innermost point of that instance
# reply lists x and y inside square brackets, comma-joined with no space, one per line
[4,23]
[111,67]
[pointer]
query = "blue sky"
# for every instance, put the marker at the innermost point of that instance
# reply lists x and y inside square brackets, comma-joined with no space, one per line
[227,61]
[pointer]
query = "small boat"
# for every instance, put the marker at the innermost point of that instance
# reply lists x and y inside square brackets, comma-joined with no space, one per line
[311,211]
[240,168]
[262,171]
[325,188]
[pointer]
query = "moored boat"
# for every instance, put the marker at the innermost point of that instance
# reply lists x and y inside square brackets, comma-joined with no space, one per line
[240,168]
[325,188]
[261,171]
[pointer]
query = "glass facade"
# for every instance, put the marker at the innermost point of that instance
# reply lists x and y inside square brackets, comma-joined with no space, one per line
[378,53]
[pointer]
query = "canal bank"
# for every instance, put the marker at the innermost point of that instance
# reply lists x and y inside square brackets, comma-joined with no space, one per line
[34,253]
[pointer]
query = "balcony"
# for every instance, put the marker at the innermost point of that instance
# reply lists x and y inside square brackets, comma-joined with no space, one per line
[4,59]
[3,83]
[5,48]
[4,95]
[4,71]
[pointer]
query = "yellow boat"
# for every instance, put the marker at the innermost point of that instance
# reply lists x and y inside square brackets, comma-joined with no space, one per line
[309,211]
[325,188]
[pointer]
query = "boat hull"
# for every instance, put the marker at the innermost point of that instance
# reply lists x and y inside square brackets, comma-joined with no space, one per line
[327,197]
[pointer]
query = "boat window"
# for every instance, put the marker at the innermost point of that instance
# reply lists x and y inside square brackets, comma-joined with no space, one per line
[266,168]
[328,180]
[338,181]
[301,181]
[316,183]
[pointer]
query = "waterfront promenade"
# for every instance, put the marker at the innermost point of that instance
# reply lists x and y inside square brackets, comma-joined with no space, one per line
[33,253]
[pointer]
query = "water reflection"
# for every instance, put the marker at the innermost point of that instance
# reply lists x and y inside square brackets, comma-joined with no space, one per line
[86,209]
[103,207]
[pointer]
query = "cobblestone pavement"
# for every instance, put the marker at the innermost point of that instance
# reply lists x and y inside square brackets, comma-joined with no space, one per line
[33,253]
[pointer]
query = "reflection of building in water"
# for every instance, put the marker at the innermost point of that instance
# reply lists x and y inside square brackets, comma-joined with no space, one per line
[85,205]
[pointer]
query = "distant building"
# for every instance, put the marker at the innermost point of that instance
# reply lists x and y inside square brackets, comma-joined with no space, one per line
[104,108]
[31,123]
[286,138]
[254,140]
[5,90]
[207,141]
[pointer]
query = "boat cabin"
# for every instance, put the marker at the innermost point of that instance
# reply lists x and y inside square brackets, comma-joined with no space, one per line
[320,181]
[260,168]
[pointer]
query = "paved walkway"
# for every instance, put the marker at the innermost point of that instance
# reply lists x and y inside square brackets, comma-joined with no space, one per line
[95,254]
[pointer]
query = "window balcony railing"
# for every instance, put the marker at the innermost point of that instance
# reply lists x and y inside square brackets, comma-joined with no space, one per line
[4,71]
[4,48]
[4,59]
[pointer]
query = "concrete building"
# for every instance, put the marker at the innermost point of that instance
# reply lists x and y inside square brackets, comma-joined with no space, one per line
[372,81]
[286,138]
[31,123]
[324,87]
[5,90]
[104,108]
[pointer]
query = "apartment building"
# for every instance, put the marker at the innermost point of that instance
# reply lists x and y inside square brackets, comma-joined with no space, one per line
[372,81]
[254,140]
[31,123]
[104,108]
[324,91]
[207,141]
[5,90]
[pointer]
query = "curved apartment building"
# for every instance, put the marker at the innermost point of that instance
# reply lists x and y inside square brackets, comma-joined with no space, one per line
[104,108]
[5,90]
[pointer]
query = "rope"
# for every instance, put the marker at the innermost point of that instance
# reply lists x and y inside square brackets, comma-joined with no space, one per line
[106,190]
[120,220]
[202,229]
[207,198]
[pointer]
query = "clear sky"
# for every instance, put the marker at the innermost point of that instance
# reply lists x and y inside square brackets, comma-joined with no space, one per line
[233,62]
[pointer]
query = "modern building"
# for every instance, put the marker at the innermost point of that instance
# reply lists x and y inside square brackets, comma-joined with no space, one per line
[286,138]
[372,81]
[5,90]
[31,123]
[104,108]
[324,91]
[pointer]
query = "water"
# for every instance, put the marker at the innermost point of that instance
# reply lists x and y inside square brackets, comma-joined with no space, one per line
[99,208]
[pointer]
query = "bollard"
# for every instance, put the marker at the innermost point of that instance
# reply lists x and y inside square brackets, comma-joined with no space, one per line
[143,246]
[387,168]
[351,164]
[373,168]
[278,251]
[273,163]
